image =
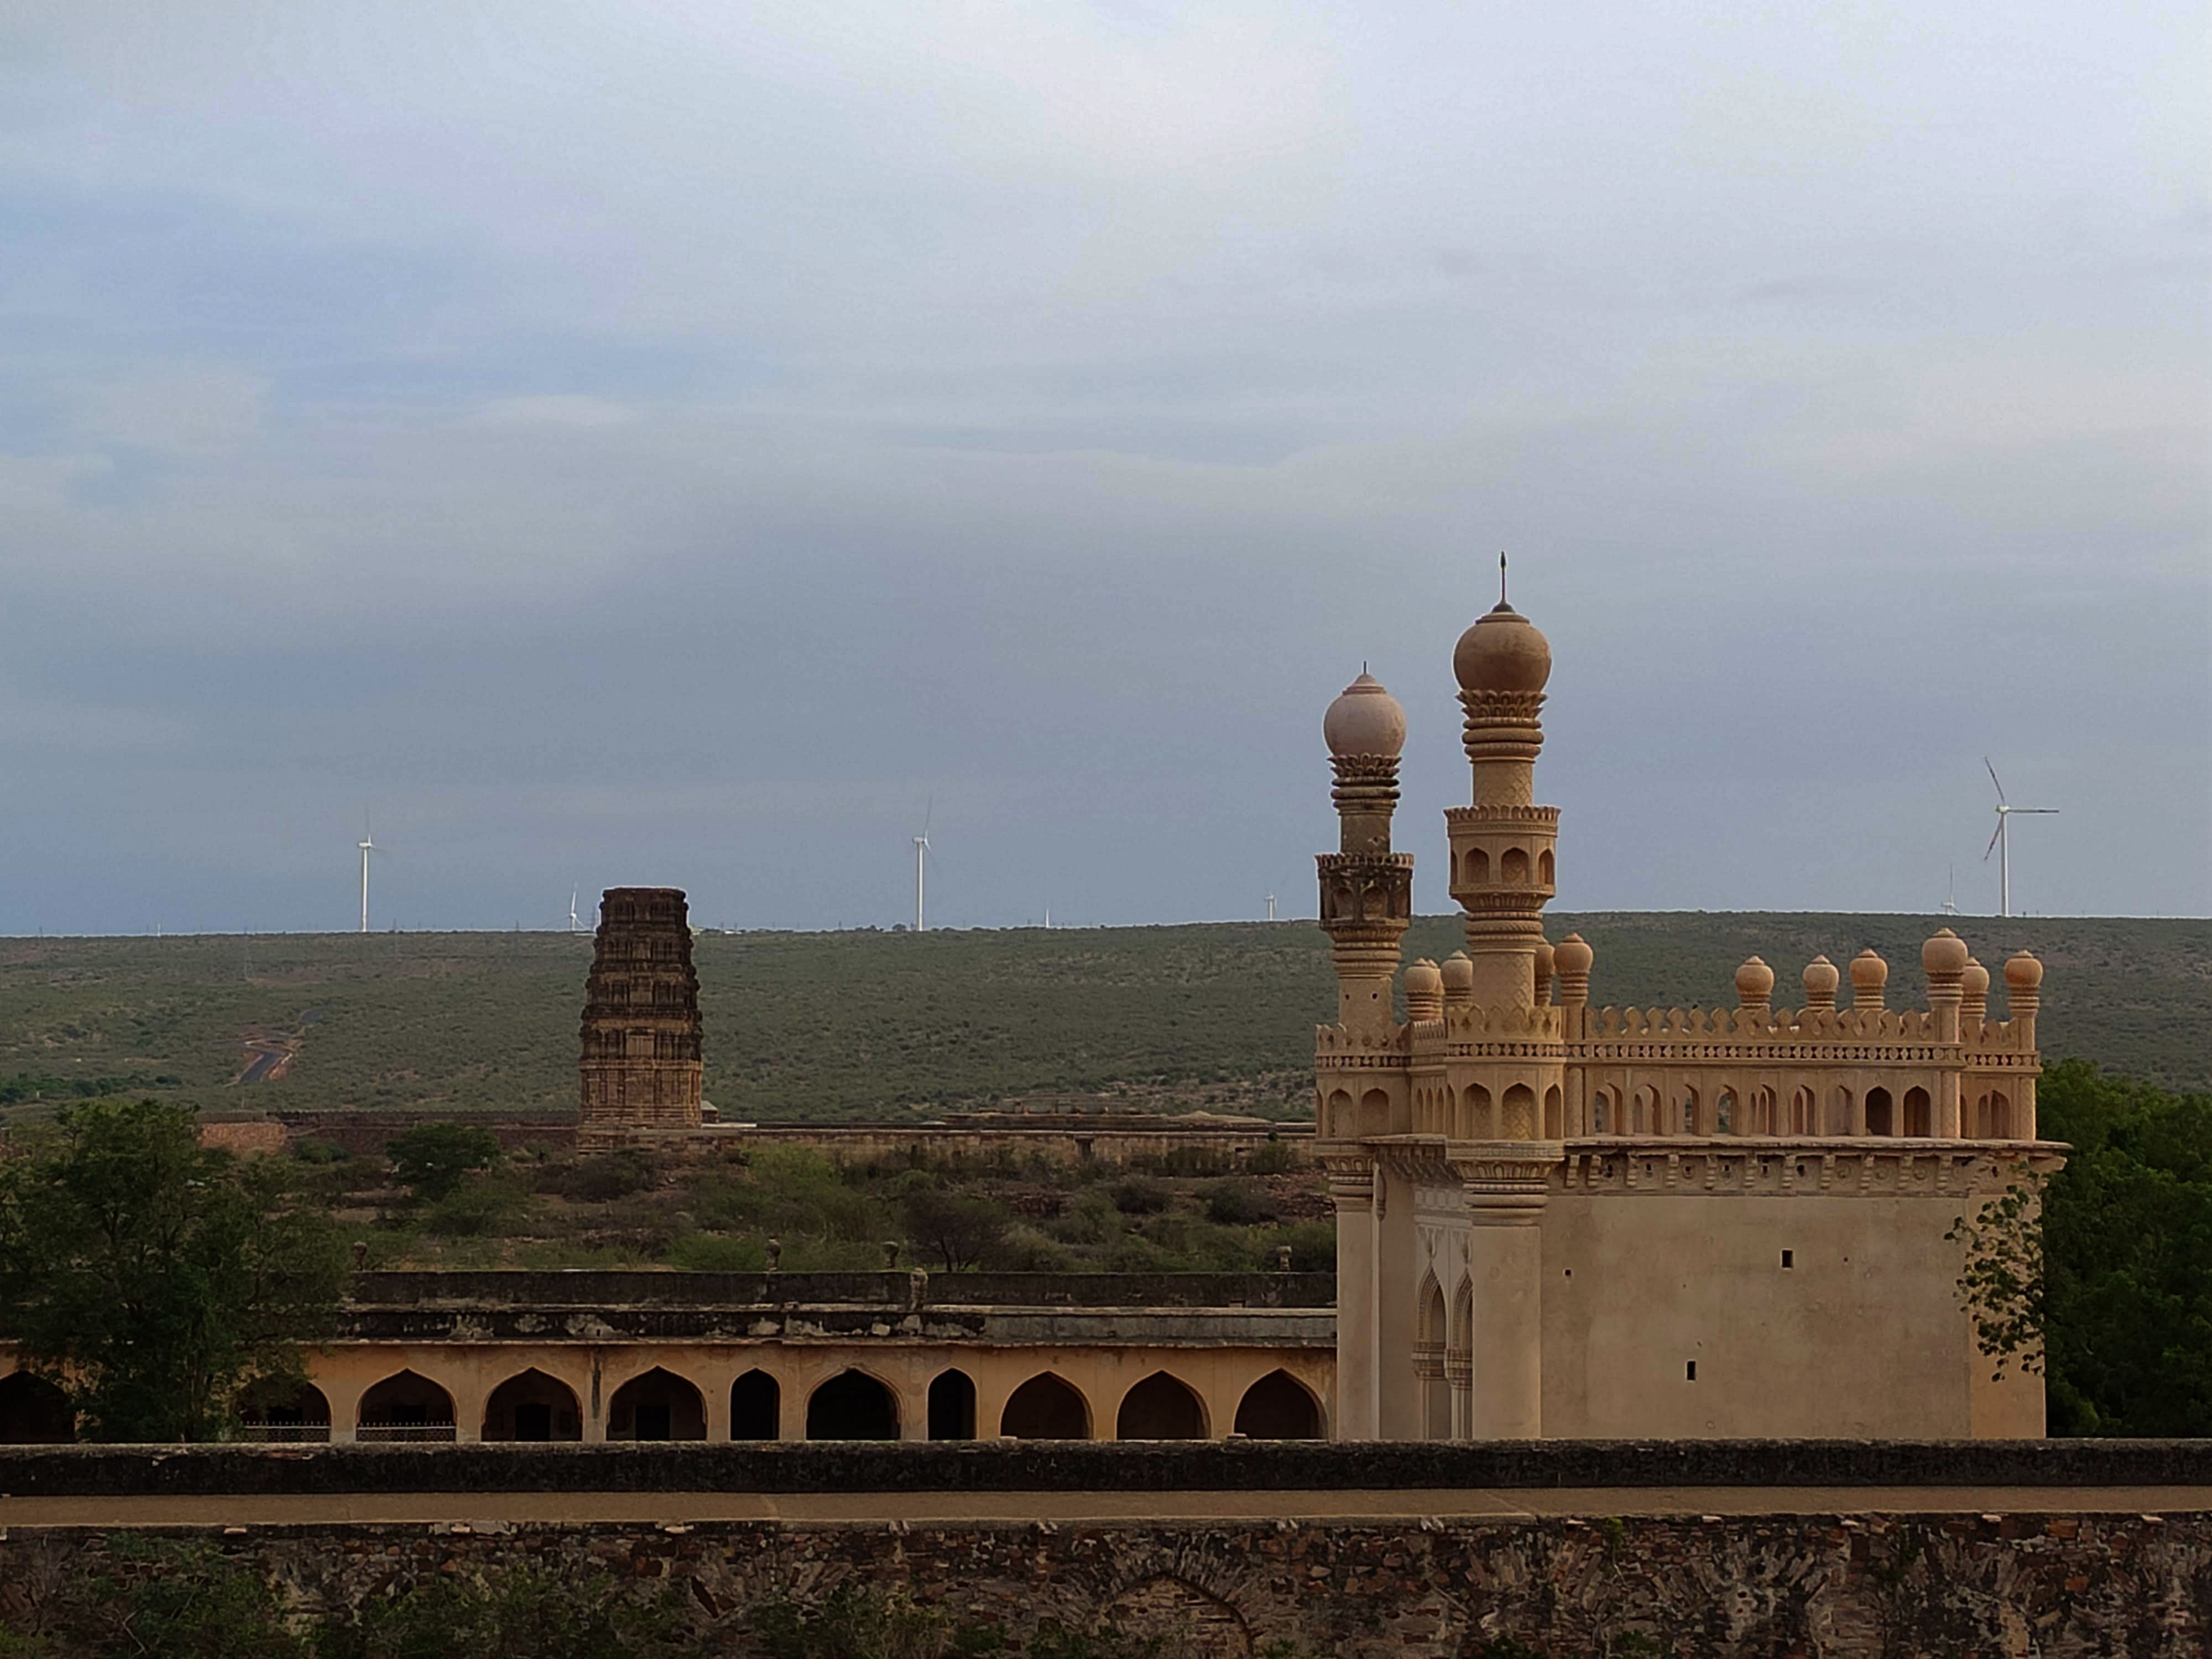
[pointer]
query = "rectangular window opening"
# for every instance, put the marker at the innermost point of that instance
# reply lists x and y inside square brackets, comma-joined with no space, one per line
[1790,1258]
[1693,1371]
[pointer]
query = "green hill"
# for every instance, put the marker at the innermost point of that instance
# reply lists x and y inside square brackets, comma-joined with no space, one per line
[851,1025]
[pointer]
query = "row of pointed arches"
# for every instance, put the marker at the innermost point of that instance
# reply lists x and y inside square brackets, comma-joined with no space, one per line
[659,1405]
[1645,1110]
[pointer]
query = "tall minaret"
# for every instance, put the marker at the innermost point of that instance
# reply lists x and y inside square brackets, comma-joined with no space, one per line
[1366,890]
[1502,846]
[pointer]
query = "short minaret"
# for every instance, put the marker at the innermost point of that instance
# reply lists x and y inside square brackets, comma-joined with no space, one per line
[1822,979]
[1943,958]
[1503,844]
[1366,890]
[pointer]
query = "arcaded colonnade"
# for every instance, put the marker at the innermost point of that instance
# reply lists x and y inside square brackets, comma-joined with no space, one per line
[467,1393]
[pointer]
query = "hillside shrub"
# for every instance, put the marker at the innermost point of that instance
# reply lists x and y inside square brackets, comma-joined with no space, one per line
[1239,1204]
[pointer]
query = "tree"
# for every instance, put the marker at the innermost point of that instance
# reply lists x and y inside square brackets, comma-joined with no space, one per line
[961,1227]
[434,1159]
[157,1282]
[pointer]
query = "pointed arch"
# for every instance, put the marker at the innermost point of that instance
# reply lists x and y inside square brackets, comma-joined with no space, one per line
[1554,1113]
[657,1404]
[1919,1112]
[1517,1114]
[532,1405]
[1046,1407]
[852,1406]
[34,1411]
[406,1406]
[953,1405]
[1880,1119]
[756,1407]
[1278,1407]
[1161,1407]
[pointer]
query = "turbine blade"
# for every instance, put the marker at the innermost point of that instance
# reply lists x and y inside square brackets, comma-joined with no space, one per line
[1992,847]
[2035,809]
[1993,777]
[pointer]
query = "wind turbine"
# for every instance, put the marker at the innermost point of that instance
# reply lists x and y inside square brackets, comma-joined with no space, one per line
[1271,906]
[920,852]
[2001,842]
[368,846]
[572,910]
[1951,897]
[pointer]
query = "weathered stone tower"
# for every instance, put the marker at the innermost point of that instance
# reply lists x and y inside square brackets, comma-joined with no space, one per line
[641,1068]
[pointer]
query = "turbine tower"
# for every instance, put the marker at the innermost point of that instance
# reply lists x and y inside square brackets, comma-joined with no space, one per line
[368,846]
[2001,842]
[572,910]
[921,853]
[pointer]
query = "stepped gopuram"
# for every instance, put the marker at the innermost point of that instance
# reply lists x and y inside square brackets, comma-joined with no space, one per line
[641,1068]
[1558,1221]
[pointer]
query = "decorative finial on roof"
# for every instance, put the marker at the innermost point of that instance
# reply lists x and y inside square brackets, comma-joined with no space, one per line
[1502,605]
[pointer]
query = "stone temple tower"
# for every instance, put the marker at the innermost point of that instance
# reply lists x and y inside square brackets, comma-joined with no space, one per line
[641,1068]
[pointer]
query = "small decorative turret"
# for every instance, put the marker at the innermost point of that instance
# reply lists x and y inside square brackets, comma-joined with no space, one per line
[1943,958]
[1424,992]
[1366,889]
[1821,980]
[1754,985]
[1459,979]
[1869,974]
[2023,994]
[1544,966]
[1974,1005]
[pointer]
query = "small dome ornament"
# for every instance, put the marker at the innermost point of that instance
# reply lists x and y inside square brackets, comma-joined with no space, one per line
[1974,980]
[1365,719]
[1458,973]
[2022,972]
[1944,956]
[1503,651]
[1755,982]
[1423,978]
[1821,980]
[1571,957]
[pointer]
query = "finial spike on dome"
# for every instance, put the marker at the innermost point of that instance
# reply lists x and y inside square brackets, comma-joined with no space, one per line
[1501,576]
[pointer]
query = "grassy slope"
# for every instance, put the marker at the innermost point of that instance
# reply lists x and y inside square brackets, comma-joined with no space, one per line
[857,1025]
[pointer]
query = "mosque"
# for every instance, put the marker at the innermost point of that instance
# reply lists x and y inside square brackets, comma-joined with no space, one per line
[1564,1221]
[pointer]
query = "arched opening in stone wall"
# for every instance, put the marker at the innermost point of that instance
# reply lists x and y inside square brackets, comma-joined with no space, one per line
[1724,1113]
[34,1411]
[1759,1120]
[1278,1407]
[406,1406]
[533,1406]
[1554,1113]
[1647,1111]
[852,1405]
[1474,1116]
[1161,1407]
[1919,1113]
[1430,1329]
[756,1407]
[1513,866]
[1337,1119]
[298,1414]
[1997,1120]
[1544,869]
[1842,1113]
[1604,1114]
[1689,1119]
[657,1406]
[1046,1407]
[1478,868]
[953,1405]
[1879,1119]
[1374,1113]
[1519,1113]
[1802,1107]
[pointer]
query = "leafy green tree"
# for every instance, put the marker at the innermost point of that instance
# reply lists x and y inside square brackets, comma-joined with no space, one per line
[159,1283]
[960,1229]
[433,1159]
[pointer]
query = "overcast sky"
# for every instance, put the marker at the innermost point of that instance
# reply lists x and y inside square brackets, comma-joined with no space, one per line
[687,442]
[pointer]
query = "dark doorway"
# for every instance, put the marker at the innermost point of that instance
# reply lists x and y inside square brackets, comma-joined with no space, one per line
[533,1406]
[1879,1121]
[34,1411]
[952,1407]
[1046,1409]
[1277,1409]
[852,1405]
[1919,1116]
[405,1407]
[1161,1407]
[756,1407]
[657,1406]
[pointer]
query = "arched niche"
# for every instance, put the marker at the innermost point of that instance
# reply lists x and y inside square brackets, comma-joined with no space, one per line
[34,1411]
[658,1405]
[406,1406]
[1517,1111]
[1555,1126]
[756,1407]
[300,1414]
[533,1406]
[1046,1407]
[852,1405]
[1161,1407]
[1880,1116]
[1919,1112]
[953,1405]
[1278,1407]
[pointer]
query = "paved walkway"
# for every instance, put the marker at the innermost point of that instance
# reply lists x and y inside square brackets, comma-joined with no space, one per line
[1090,1508]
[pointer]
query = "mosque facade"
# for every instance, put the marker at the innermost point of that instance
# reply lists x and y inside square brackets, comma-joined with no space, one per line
[1561,1220]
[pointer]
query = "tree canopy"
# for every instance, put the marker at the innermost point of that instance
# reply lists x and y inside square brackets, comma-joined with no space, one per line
[434,1159]
[162,1284]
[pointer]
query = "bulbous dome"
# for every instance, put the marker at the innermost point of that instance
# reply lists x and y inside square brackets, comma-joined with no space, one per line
[1458,974]
[1754,980]
[1365,719]
[1423,978]
[1869,972]
[1821,978]
[1944,955]
[1975,980]
[1503,652]
[2022,972]
[1570,956]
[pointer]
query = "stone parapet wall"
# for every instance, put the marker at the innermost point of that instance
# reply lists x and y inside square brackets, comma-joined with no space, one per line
[1983,1583]
[1408,1468]
[616,1287]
